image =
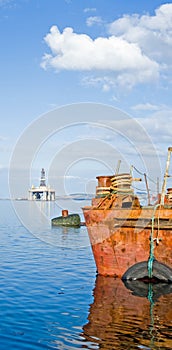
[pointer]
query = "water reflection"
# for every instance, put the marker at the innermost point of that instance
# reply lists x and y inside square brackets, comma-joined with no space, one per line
[137,316]
[36,217]
[149,290]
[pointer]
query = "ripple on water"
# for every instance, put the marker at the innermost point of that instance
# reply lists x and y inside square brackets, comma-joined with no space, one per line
[50,297]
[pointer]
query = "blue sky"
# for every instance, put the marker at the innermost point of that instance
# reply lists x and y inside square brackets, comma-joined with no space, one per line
[56,53]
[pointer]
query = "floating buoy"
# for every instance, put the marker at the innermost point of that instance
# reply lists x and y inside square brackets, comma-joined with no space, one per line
[66,219]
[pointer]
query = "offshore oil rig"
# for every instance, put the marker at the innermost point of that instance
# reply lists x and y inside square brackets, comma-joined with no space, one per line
[43,192]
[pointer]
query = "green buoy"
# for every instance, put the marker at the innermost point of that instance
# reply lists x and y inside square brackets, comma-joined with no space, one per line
[69,220]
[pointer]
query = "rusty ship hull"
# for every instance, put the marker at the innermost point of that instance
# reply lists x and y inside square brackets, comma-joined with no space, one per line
[126,236]
[120,238]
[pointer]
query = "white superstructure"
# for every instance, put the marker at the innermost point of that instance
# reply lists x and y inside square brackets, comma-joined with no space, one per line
[43,192]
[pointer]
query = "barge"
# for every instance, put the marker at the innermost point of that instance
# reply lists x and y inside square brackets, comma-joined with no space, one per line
[130,240]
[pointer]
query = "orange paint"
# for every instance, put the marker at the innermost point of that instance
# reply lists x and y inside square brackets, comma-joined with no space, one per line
[119,229]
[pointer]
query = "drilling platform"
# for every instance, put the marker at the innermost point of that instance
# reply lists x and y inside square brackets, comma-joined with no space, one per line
[43,192]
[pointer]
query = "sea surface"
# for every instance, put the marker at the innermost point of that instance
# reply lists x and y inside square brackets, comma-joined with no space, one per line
[52,298]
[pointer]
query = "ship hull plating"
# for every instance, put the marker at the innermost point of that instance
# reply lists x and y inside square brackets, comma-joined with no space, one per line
[120,238]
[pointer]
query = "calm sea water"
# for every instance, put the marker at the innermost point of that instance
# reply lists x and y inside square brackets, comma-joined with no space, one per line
[51,298]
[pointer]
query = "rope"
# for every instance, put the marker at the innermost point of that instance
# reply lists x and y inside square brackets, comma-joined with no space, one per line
[152,239]
[143,174]
[103,200]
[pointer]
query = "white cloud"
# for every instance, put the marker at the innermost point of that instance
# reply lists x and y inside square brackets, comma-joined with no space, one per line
[153,34]
[137,50]
[94,20]
[71,51]
[90,9]
[159,126]
[146,107]
[6,2]
[104,82]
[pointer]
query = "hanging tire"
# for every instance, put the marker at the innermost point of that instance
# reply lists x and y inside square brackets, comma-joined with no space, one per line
[138,271]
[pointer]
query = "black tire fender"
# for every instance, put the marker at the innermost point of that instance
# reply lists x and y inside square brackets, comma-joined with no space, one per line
[161,271]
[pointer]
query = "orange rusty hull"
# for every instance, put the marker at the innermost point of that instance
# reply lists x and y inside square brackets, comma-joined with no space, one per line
[120,238]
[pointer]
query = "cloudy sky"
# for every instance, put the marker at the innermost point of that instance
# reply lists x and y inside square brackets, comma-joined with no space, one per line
[83,84]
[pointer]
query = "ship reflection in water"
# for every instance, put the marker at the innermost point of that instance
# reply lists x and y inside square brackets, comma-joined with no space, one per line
[130,316]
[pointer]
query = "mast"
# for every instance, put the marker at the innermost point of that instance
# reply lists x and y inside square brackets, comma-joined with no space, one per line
[165,176]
